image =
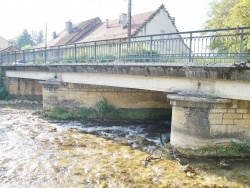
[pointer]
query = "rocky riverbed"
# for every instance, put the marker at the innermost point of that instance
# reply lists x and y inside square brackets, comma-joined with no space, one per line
[38,152]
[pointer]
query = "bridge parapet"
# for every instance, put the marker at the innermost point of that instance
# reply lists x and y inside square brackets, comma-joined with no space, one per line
[207,71]
[205,46]
[225,81]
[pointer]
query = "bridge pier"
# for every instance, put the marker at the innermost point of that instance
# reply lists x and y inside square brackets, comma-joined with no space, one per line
[200,120]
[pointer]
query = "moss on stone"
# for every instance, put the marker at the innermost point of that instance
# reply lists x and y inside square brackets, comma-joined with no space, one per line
[104,110]
[231,149]
[145,113]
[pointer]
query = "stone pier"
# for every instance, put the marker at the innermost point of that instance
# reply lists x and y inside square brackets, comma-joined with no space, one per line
[200,120]
[24,88]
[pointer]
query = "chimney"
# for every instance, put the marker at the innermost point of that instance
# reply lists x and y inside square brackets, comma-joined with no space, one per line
[68,26]
[107,23]
[123,20]
[173,20]
[54,35]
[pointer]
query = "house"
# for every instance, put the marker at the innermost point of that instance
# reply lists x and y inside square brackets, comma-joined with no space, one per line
[6,47]
[73,32]
[144,24]
[148,23]
[93,39]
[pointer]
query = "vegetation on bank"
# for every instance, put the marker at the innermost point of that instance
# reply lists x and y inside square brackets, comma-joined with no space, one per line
[104,110]
[231,149]
[4,94]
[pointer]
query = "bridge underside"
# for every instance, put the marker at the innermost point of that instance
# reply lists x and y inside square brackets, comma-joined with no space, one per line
[233,89]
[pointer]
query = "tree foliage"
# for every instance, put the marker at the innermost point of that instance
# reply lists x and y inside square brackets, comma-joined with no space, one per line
[24,39]
[38,37]
[28,41]
[228,13]
[241,13]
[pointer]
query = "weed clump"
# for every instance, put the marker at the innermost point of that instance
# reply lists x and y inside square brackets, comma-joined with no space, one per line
[4,94]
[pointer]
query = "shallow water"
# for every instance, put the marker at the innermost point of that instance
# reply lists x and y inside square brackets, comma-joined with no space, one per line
[37,152]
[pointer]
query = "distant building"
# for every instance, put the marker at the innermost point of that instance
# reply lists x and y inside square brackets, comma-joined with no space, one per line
[73,33]
[109,33]
[148,23]
[6,47]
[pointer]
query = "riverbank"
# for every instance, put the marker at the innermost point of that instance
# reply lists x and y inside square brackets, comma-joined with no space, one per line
[38,152]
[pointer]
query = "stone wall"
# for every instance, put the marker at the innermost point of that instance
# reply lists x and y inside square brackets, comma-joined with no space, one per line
[76,95]
[198,121]
[231,120]
[24,88]
[83,95]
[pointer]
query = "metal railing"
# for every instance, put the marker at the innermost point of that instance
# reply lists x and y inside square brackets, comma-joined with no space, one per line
[229,45]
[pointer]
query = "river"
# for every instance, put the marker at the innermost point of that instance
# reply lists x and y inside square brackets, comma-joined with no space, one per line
[39,152]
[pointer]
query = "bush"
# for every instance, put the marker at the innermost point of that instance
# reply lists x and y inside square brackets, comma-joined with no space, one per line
[142,55]
[60,113]
[106,109]
[4,94]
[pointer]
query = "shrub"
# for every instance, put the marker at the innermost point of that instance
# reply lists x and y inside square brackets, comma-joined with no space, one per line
[4,94]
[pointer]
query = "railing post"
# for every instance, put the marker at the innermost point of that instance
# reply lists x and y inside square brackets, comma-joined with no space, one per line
[45,55]
[75,53]
[34,57]
[120,50]
[59,54]
[190,48]
[23,55]
[8,60]
[241,46]
[15,57]
[95,52]
[151,47]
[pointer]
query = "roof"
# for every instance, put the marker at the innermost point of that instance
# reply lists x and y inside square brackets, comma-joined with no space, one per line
[152,16]
[10,49]
[78,32]
[4,43]
[94,29]
[115,30]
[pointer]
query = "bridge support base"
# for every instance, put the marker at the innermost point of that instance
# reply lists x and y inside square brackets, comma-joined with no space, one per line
[200,120]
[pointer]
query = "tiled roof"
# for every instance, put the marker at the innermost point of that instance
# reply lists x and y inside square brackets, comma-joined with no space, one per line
[10,49]
[3,43]
[94,29]
[78,31]
[115,29]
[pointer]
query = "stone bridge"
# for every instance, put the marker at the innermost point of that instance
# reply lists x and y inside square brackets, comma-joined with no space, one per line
[210,103]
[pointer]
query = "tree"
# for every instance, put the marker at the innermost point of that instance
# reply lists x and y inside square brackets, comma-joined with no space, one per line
[27,47]
[24,39]
[40,37]
[241,13]
[37,37]
[228,13]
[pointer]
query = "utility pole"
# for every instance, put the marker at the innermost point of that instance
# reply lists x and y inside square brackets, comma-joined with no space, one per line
[45,35]
[129,19]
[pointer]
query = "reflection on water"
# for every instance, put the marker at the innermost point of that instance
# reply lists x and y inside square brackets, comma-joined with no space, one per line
[41,153]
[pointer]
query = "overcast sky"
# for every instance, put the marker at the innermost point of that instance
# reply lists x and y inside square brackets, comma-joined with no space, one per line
[17,15]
